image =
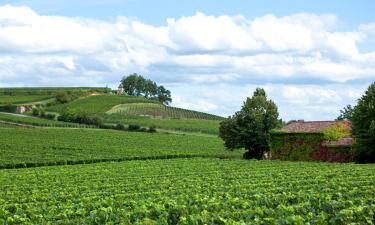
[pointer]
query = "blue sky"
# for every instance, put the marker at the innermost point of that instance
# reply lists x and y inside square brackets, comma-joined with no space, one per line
[312,57]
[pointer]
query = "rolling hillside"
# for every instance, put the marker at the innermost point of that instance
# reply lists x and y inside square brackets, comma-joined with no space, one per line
[111,108]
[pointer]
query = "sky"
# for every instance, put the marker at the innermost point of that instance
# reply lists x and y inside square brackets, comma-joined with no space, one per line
[312,57]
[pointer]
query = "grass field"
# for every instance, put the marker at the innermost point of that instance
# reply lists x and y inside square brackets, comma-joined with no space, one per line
[36,121]
[8,99]
[159,110]
[21,147]
[189,191]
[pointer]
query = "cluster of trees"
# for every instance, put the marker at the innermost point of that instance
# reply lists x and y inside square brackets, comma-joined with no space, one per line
[250,127]
[136,85]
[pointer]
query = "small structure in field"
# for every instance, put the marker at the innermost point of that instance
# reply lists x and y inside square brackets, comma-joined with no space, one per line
[313,140]
[21,109]
[120,89]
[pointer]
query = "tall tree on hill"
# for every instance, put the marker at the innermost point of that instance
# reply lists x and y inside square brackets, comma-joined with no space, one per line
[346,113]
[136,85]
[250,127]
[363,127]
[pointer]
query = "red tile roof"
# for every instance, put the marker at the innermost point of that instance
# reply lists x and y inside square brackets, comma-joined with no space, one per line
[301,126]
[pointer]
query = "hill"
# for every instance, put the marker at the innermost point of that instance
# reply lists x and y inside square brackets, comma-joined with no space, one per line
[160,111]
[131,110]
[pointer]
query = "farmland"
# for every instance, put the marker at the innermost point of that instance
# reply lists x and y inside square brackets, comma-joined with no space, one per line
[186,125]
[159,110]
[97,103]
[20,147]
[8,99]
[189,191]
[35,121]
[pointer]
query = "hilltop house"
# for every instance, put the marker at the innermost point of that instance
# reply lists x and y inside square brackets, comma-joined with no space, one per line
[120,89]
[313,140]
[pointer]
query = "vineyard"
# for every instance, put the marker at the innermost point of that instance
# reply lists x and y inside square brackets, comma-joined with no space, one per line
[159,110]
[189,191]
[97,103]
[9,99]
[184,125]
[36,121]
[20,147]
[50,91]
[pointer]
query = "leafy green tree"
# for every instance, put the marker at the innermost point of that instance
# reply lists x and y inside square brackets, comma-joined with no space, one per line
[136,85]
[363,127]
[164,95]
[346,113]
[250,127]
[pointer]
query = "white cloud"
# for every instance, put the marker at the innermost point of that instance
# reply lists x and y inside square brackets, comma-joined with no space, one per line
[213,51]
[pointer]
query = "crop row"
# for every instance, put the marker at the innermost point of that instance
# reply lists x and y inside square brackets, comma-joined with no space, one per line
[50,90]
[189,191]
[21,147]
[9,99]
[186,125]
[97,103]
[159,110]
[36,121]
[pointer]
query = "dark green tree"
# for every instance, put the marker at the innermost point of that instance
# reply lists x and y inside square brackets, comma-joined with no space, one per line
[346,113]
[363,127]
[136,85]
[164,95]
[250,127]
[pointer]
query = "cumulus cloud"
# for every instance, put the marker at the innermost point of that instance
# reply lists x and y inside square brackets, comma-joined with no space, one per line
[215,52]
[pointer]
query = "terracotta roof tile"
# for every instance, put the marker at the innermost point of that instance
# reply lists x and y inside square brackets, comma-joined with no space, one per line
[309,126]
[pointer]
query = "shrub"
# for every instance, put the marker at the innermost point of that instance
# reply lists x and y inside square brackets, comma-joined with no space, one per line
[336,132]
[152,129]
[35,112]
[120,126]
[134,127]
[62,97]
[49,116]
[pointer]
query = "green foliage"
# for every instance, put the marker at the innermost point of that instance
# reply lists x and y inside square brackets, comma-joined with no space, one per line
[189,191]
[364,127]
[295,146]
[136,85]
[69,115]
[159,110]
[50,146]
[346,113]
[250,128]
[62,97]
[336,132]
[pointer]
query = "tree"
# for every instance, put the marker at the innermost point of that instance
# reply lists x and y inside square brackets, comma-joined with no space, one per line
[250,127]
[363,127]
[136,85]
[346,113]
[164,95]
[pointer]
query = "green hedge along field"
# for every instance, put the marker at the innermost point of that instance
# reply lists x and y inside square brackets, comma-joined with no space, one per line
[189,191]
[20,147]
